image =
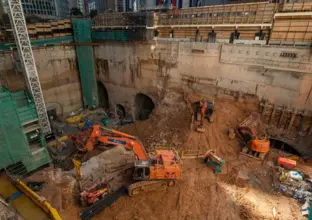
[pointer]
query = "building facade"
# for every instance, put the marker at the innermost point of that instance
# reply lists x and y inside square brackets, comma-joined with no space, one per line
[43,8]
[62,8]
[78,4]
[198,3]
[109,5]
[96,4]
[81,6]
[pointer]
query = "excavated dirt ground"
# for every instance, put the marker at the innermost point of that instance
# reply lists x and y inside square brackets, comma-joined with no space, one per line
[244,189]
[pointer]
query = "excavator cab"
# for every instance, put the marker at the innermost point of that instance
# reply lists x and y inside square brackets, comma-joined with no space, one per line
[141,170]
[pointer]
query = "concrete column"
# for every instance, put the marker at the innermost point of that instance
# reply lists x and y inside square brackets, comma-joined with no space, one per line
[301,121]
[282,117]
[293,116]
[264,108]
[272,115]
[310,130]
[197,38]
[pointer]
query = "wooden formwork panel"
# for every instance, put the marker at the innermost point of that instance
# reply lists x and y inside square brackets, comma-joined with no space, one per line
[204,33]
[296,28]
[49,30]
[297,6]
[31,26]
[32,31]
[60,21]
[227,14]
[292,36]
[164,32]
[67,25]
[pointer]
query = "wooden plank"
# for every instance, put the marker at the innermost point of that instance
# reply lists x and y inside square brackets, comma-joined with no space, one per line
[299,29]
[221,14]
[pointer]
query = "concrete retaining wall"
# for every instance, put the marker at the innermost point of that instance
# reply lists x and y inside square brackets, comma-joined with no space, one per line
[127,68]
[213,69]
[58,73]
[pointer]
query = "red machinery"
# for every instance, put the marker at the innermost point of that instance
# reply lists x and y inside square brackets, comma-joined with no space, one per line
[161,169]
[92,195]
[285,162]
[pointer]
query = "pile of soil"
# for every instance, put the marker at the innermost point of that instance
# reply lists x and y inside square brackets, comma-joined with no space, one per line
[243,190]
[198,195]
[58,187]
[168,125]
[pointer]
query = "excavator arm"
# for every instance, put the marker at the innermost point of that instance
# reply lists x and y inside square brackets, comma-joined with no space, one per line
[130,144]
[96,135]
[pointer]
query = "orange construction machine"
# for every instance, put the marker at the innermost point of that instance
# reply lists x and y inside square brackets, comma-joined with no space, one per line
[161,169]
[253,146]
[204,110]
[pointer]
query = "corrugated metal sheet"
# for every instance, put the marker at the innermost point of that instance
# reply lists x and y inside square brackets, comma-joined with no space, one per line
[17,109]
[82,34]
[13,142]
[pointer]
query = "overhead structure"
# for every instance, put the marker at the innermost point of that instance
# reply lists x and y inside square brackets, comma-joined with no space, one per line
[28,62]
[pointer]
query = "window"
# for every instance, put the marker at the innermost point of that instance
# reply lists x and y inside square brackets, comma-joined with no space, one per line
[147,171]
[140,172]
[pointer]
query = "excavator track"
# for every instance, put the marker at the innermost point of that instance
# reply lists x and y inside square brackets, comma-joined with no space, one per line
[253,154]
[149,186]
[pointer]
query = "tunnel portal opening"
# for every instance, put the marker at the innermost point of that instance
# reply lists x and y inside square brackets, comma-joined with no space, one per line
[144,106]
[281,145]
[103,95]
[121,111]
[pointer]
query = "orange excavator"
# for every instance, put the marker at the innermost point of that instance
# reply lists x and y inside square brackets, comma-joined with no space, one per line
[204,110]
[253,145]
[159,170]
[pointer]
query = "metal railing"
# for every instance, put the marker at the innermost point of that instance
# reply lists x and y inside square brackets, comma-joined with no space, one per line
[119,20]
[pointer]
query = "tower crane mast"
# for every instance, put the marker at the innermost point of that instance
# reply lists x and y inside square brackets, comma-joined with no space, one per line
[23,44]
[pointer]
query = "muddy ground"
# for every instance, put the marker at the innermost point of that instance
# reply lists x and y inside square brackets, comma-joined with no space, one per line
[244,190]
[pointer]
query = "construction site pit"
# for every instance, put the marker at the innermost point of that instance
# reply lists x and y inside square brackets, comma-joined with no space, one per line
[246,188]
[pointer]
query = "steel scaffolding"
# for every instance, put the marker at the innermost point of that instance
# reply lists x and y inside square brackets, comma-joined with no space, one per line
[27,59]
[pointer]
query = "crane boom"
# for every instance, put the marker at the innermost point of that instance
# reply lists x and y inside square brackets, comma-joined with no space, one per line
[28,62]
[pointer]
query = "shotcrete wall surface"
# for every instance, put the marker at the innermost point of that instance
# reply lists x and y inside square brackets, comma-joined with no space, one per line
[280,74]
[58,73]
